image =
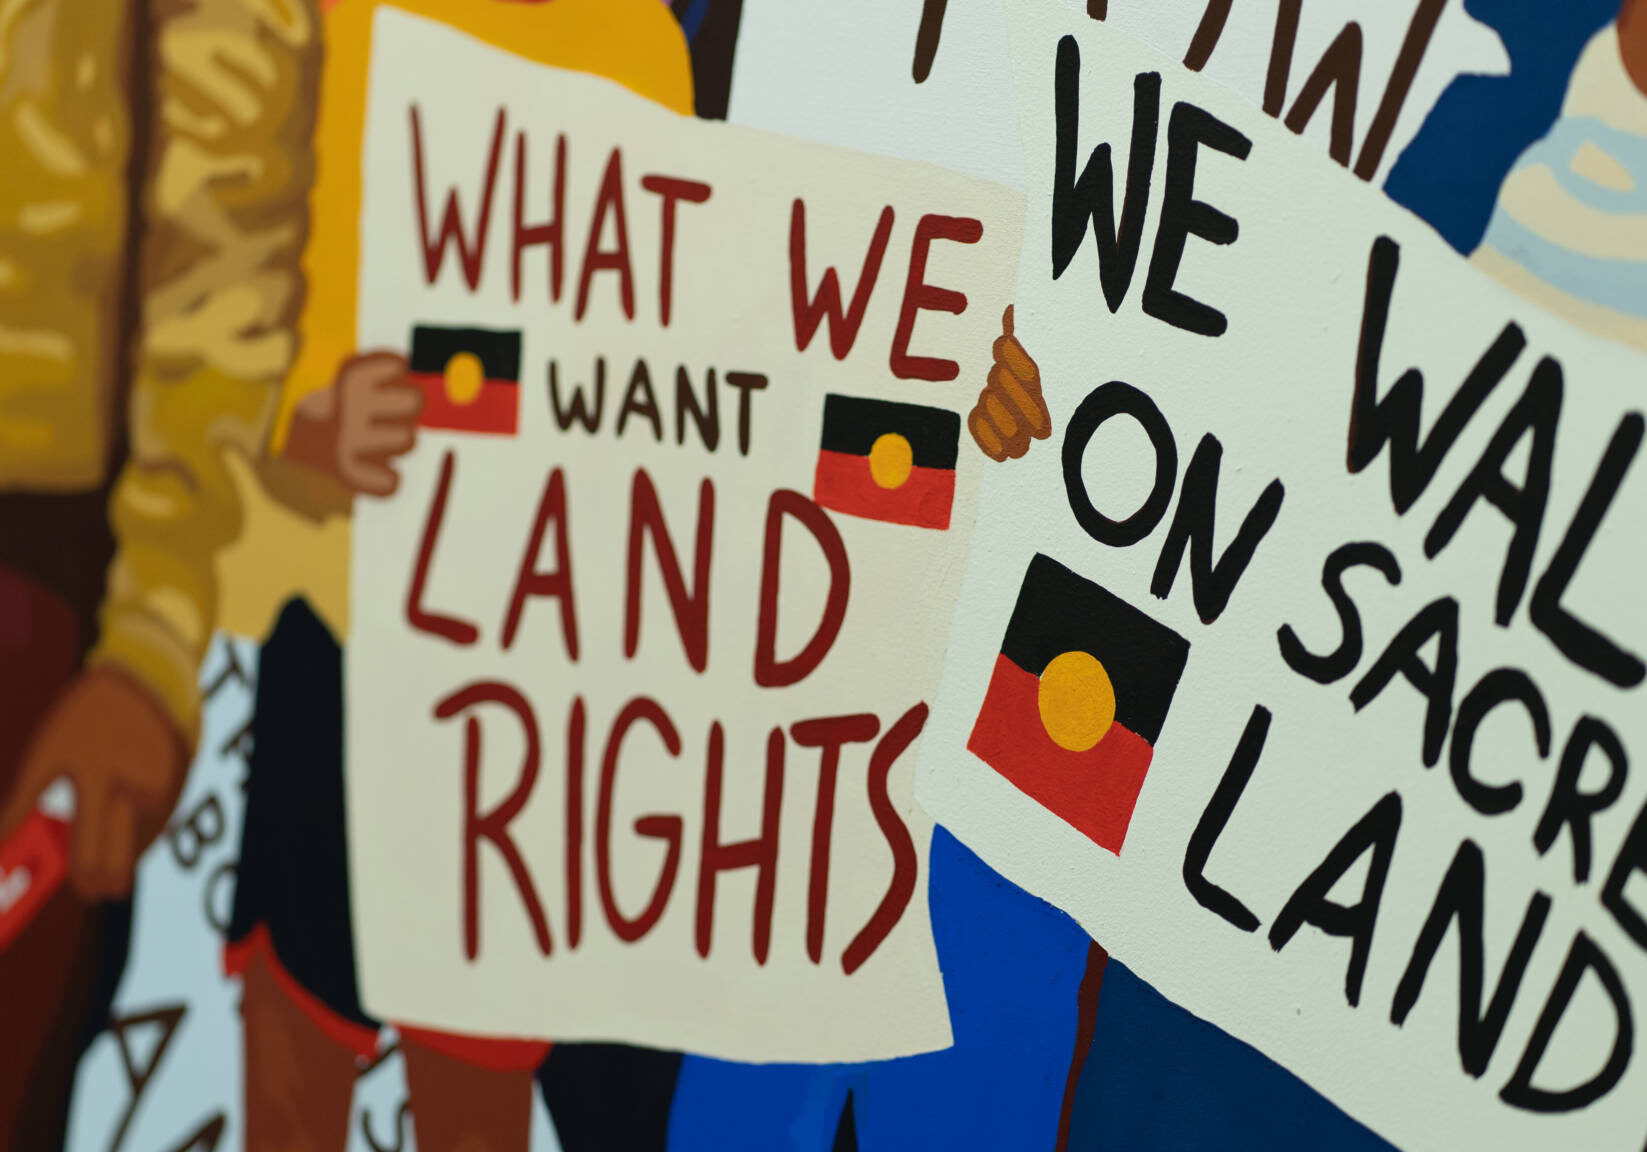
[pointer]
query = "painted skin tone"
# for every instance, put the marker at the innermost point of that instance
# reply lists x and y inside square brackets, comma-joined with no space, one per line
[299,1080]
[353,430]
[1632,38]
[1011,411]
[110,737]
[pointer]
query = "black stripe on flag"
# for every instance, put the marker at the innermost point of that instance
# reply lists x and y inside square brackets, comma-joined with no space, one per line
[1060,612]
[852,424]
[499,352]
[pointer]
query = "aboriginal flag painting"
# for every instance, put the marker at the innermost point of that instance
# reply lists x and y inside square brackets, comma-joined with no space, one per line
[470,378]
[887,461]
[1077,699]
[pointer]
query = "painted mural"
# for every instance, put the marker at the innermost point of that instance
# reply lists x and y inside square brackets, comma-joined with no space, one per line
[739,574]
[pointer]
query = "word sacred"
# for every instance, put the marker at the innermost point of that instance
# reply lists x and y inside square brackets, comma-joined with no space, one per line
[1452,718]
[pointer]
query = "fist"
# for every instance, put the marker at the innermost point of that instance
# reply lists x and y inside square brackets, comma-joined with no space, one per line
[110,738]
[354,429]
[1010,410]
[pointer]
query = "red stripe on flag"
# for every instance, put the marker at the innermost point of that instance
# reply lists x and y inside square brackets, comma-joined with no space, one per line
[496,410]
[844,483]
[1094,791]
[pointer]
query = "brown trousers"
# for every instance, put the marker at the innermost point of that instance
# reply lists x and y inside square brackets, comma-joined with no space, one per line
[57,979]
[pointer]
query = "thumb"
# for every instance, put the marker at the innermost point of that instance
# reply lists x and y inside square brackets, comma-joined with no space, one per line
[1006,321]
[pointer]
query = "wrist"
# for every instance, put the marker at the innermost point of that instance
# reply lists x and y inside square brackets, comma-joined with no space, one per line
[312,436]
[162,673]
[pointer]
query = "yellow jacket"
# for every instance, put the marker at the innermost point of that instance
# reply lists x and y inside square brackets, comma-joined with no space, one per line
[634,42]
[223,98]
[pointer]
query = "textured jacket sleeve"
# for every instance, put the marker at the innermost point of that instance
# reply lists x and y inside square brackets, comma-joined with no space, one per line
[232,89]
[64,147]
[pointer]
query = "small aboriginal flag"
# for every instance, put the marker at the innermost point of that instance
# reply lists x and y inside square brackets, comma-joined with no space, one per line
[470,378]
[887,461]
[1076,703]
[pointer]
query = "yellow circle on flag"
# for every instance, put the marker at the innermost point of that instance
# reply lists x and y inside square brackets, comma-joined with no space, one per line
[890,460]
[1077,701]
[465,375]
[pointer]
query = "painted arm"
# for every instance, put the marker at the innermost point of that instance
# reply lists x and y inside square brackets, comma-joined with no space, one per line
[228,107]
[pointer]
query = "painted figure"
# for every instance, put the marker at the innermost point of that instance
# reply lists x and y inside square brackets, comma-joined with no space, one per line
[1566,231]
[150,223]
[346,416]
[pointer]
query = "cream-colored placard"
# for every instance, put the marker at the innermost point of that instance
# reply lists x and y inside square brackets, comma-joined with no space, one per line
[642,649]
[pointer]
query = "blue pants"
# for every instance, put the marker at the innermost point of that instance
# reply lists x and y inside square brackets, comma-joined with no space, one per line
[1155,1077]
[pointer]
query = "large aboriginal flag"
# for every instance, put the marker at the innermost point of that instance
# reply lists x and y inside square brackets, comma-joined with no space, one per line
[470,378]
[1076,703]
[887,461]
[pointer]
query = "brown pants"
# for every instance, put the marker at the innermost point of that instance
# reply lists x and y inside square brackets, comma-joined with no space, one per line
[57,978]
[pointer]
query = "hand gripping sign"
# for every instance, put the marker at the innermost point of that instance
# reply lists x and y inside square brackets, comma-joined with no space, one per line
[642,650]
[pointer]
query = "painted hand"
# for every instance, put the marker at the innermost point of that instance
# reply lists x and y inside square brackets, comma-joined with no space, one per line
[354,429]
[110,738]
[1632,41]
[1010,410]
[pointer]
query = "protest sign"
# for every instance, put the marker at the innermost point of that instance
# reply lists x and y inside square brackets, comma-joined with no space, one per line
[641,650]
[1302,665]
